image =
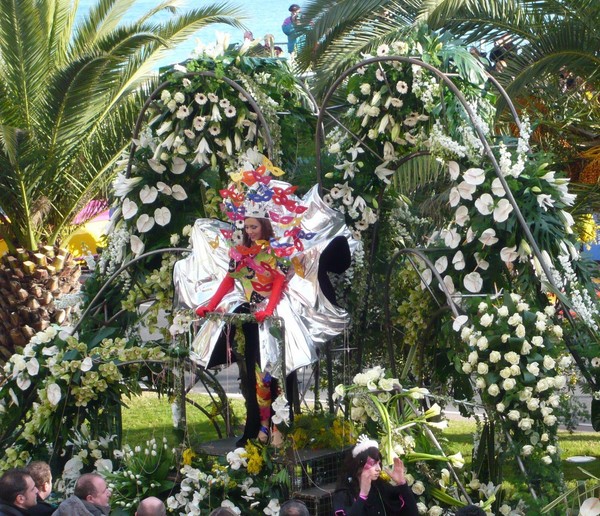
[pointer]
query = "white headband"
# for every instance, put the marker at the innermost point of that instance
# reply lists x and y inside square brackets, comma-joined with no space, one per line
[363,443]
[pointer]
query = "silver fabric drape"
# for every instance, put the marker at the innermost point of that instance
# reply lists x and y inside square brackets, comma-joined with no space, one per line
[310,318]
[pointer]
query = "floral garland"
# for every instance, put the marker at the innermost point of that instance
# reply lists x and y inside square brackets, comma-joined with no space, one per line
[519,368]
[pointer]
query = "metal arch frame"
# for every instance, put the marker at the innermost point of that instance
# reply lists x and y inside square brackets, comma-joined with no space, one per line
[206,73]
[488,152]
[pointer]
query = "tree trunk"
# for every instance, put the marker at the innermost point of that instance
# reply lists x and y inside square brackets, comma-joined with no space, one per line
[31,285]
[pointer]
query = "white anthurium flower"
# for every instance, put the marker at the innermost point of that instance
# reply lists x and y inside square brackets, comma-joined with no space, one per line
[474,176]
[590,507]
[485,204]
[473,282]
[453,170]
[23,382]
[509,254]
[426,276]
[470,235]
[466,190]
[462,215]
[459,261]
[388,151]
[441,264]
[454,197]
[148,194]
[452,239]
[103,466]
[162,216]
[33,366]
[502,210]
[179,194]
[54,394]
[129,209]
[86,364]
[137,246]
[163,188]
[449,282]
[144,223]
[157,166]
[178,165]
[459,322]
[481,263]
[488,237]
[497,188]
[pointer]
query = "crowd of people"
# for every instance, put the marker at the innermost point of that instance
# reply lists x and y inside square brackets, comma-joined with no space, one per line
[25,492]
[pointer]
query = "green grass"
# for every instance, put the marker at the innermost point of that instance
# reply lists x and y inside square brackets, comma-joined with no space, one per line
[149,416]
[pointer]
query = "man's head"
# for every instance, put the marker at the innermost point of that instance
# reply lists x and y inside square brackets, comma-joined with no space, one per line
[151,506]
[294,508]
[18,488]
[92,488]
[42,476]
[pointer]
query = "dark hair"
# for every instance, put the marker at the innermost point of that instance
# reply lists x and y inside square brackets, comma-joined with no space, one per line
[85,486]
[350,472]
[294,508]
[293,8]
[40,472]
[12,484]
[222,511]
[470,510]
[266,231]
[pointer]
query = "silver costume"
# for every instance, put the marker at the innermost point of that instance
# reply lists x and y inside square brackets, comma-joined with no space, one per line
[310,318]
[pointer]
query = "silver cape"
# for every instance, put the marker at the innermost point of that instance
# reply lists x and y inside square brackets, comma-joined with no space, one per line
[310,319]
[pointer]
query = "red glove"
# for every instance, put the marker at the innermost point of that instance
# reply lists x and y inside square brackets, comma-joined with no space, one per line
[278,284]
[224,288]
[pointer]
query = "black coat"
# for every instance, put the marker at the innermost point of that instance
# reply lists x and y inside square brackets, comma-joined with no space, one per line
[384,499]
[11,510]
[42,509]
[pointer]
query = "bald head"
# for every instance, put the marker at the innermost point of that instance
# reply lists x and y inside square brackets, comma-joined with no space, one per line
[151,506]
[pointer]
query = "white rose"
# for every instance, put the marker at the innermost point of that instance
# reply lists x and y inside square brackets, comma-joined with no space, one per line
[480,382]
[526,424]
[467,368]
[500,407]
[495,357]
[550,420]
[514,415]
[544,438]
[564,362]
[482,343]
[542,385]
[520,331]
[509,384]
[511,357]
[436,510]
[525,394]
[418,488]
[493,390]
[365,88]
[549,362]
[472,358]
[551,449]
[560,381]
[482,368]
[486,320]
[525,348]
[515,370]
[533,404]
[534,368]
[503,311]
[547,459]
[505,373]
[527,450]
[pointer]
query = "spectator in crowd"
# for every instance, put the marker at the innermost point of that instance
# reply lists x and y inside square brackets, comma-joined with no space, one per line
[294,508]
[289,26]
[18,493]
[151,506]
[42,476]
[91,497]
[223,511]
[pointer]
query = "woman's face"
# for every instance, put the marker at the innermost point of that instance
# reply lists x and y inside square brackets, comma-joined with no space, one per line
[373,468]
[253,229]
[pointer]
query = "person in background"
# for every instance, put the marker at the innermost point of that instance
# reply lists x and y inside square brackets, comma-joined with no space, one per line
[151,506]
[470,510]
[18,493]
[289,26]
[42,476]
[294,508]
[91,497]
[361,491]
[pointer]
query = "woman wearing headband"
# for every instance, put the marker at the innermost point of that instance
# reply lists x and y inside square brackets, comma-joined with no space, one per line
[361,491]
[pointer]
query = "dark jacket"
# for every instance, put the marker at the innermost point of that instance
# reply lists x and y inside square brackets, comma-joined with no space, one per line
[42,509]
[10,510]
[74,506]
[383,499]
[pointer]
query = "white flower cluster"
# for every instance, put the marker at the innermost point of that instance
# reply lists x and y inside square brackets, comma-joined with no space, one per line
[512,363]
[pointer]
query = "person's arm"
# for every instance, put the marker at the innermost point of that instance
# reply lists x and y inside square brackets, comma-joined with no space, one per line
[278,284]
[345,505]
[225,287]
[401,492]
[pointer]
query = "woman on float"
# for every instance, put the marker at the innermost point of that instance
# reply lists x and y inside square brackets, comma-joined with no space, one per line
[362,491]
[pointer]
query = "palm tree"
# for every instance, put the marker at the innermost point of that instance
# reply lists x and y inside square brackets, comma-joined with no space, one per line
[69,95]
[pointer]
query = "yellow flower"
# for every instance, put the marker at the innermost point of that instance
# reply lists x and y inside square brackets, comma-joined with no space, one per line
[188,456]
